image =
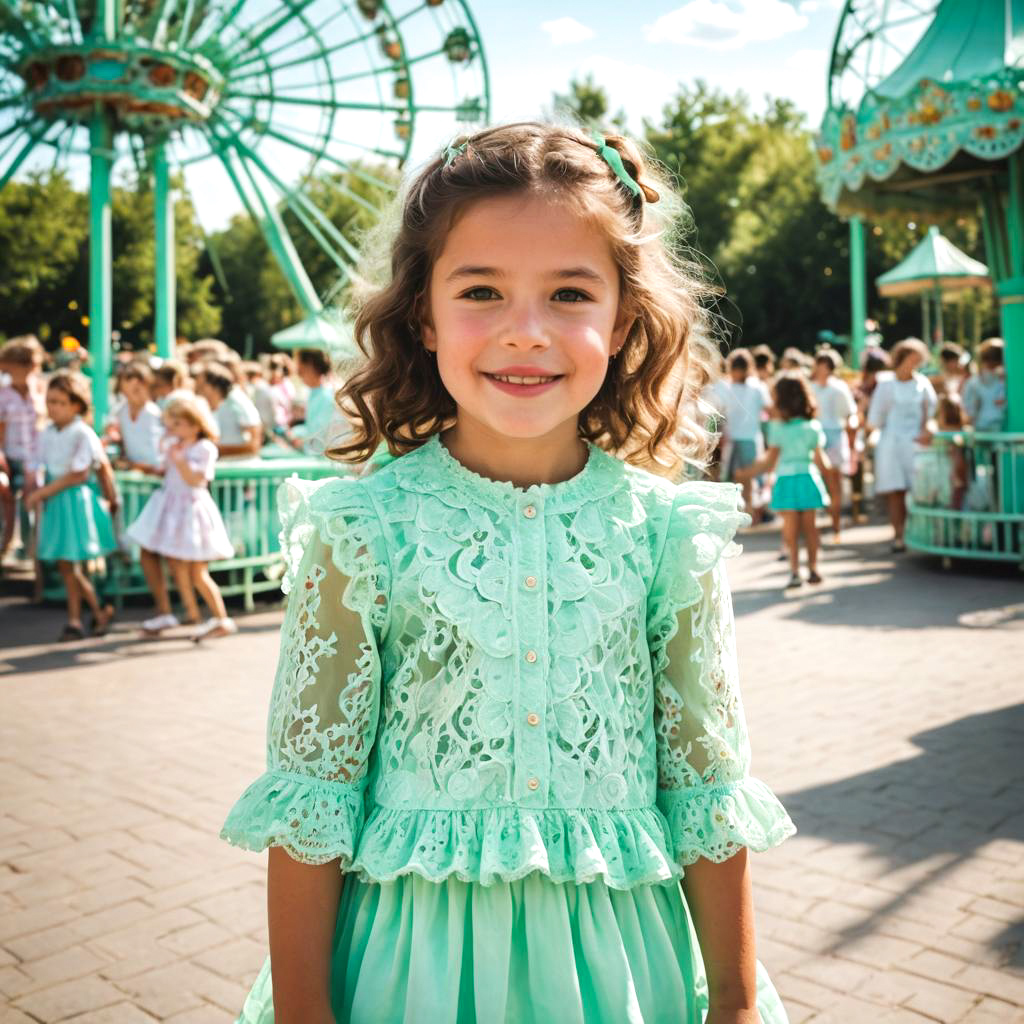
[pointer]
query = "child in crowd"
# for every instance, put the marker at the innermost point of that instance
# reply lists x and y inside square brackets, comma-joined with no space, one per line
[764,364]
[796,454]
[138,421]
[506,719]
[240,431]
[837,414]
[181,523]
[21,359]
[283,388]
[313,368]
[746,402]
[955,363]
[74,524]
[984,395]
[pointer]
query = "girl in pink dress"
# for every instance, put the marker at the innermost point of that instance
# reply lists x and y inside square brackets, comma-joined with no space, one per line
[181,522]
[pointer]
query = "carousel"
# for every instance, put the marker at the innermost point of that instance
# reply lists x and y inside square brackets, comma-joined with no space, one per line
[926,117]
[240,103]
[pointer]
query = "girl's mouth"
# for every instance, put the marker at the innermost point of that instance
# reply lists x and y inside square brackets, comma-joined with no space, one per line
[524,387]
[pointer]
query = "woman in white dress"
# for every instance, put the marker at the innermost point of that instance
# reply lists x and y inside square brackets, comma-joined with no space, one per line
[900,408]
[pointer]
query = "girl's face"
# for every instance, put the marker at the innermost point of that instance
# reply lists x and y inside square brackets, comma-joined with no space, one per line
[182,429]
[60,408]
[524,288]
[135,391]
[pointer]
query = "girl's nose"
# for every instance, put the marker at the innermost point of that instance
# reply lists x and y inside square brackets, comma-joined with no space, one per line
[525,328]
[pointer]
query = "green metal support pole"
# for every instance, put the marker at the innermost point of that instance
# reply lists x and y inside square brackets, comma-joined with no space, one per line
[1011,298]
[163,202]
[100,259]
[858,291]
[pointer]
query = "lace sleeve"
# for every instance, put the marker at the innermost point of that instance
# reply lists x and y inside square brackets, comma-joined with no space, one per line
[325,702]
[712,805]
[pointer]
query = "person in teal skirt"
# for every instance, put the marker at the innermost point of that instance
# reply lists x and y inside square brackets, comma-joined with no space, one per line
[74,525]
[508,770]
[796,453]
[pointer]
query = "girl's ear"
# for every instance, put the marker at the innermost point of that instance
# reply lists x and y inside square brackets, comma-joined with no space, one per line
[620,332]
[429,336]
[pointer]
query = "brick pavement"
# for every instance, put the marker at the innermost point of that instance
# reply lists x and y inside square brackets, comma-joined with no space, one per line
[896,748]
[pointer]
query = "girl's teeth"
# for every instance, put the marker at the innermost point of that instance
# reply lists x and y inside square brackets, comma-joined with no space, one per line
[522,380]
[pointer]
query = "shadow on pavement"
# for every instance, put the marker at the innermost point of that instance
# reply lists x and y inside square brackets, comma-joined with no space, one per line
[959,794]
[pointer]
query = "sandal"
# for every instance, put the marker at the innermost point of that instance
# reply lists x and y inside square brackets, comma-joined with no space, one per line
[898,547]
[795,581]
[101,623]
[71,632]
[813,577]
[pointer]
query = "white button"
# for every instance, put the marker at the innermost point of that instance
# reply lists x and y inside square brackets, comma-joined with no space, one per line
[533,783]
[533,718]
[529,511]
[531,581]
[531,656]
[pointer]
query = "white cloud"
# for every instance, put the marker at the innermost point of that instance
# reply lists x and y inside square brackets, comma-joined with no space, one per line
[720,25]
[567,30]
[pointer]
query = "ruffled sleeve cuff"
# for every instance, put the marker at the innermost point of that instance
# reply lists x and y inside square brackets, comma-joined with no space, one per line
[314,820]
[702,523]
[714,822]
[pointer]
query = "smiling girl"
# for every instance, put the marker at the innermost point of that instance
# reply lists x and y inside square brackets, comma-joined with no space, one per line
[506,721]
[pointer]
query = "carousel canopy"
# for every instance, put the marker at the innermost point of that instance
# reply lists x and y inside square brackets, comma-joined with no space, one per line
[327,330]
[935,264]
[934,121]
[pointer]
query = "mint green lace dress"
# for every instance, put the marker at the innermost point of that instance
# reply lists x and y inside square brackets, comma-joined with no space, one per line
[513,715]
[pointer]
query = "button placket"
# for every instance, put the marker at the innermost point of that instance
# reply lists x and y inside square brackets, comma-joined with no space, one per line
[532,758]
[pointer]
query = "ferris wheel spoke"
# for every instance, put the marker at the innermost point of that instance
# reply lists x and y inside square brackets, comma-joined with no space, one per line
[277,21]
[35,138]
[305,101]
[329,51]
[251,156]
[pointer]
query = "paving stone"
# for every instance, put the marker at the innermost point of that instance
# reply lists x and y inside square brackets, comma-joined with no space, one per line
[899,902]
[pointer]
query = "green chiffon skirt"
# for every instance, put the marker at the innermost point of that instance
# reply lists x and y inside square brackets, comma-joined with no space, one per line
[530,951]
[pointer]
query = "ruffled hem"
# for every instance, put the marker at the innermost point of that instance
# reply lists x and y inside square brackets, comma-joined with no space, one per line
[315,821]
[716,821]
[624,848]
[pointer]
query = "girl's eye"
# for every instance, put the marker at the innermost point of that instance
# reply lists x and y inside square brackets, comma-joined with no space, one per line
[570,295]
[480,293]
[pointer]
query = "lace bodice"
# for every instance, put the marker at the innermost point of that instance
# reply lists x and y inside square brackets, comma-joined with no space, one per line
[483,680]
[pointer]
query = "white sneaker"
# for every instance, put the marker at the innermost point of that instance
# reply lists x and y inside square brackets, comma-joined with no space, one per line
[159,623]
[214,627]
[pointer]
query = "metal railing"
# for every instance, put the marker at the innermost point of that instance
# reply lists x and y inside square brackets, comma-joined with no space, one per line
[245,491]
[968,497]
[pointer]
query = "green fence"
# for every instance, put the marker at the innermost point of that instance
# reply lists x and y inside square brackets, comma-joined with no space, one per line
[245,491]
[968,497]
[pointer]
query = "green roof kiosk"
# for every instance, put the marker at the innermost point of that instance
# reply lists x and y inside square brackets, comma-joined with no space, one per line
[926,115]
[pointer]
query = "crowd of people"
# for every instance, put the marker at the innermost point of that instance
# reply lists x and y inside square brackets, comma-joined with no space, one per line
[799,436]
[170,418]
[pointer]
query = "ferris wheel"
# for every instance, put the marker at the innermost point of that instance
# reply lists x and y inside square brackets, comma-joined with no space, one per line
[247,99]
[873,39]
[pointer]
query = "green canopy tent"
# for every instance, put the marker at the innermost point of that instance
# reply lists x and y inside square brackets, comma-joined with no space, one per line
[934,268]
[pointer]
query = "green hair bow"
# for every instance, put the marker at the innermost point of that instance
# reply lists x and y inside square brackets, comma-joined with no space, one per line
[611,156]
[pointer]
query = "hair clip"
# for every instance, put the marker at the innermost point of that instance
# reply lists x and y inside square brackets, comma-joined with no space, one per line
[453,152]
[613,158]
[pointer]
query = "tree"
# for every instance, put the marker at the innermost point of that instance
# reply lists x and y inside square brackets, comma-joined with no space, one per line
[587,103]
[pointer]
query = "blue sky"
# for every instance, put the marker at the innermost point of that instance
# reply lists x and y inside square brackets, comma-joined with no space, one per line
[641,50]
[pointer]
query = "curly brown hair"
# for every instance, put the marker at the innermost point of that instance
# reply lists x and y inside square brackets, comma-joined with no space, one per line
[646,410]
[75,386]
[794,399]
